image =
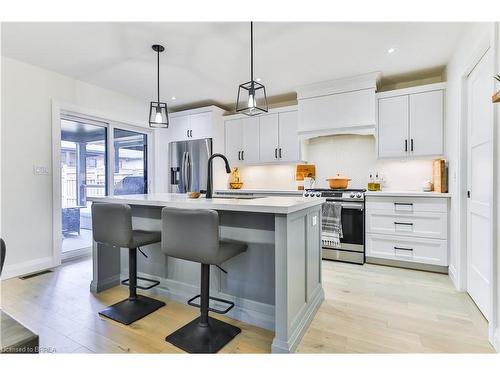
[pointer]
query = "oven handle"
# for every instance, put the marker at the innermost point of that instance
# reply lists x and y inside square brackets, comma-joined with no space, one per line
[354,206]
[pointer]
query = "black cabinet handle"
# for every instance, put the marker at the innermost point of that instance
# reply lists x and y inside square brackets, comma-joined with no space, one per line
[406,145]
[411,145]
[276,153]
[239,157]
[403,248]
[399,223]
[280,153]
[242,155]
[402,204]
[187,133]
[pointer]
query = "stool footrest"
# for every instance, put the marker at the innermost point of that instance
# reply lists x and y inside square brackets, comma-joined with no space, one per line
[231,304]
[153,283]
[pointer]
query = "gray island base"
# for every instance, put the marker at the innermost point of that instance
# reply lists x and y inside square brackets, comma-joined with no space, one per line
[275,284]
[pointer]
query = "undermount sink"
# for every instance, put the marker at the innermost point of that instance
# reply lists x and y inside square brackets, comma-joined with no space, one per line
[234,197]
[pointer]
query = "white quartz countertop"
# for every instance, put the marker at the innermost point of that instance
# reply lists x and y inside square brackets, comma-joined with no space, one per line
[406,193]
[276,205]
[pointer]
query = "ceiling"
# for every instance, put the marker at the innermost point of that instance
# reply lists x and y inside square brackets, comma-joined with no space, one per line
[205,62]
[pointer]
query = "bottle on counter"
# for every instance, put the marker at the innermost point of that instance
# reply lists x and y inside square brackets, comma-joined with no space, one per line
[376,183]
[371,183]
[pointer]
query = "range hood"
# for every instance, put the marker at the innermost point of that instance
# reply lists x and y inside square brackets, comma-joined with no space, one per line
[341,106]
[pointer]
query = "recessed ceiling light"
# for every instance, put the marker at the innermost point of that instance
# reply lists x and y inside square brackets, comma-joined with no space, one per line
[174,98]
[391,50]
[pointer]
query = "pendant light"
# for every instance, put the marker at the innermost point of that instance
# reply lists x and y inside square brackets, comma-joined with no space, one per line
[251,98]
[158,111]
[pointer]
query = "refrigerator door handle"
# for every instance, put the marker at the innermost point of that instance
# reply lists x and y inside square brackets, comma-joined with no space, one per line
[184,172]
[188,169]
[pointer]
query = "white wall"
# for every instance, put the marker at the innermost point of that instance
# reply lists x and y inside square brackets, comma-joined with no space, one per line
[26,140]
[351,155]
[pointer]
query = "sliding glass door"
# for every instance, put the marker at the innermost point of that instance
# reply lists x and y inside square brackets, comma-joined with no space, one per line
[83,173]
[94,155]
[130,162]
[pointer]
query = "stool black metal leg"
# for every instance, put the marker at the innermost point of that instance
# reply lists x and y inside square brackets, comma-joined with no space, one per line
[132,274]
[135,306]
[204,294]
[204,334]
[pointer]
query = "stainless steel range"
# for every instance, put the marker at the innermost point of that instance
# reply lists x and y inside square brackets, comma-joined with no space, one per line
[352,243]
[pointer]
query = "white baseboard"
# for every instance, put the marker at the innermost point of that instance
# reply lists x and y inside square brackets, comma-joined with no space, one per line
[74,254]
[495,340]
[20,269]
[452,273]
[245,310]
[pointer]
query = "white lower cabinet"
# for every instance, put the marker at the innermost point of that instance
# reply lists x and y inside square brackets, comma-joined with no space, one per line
[410,229]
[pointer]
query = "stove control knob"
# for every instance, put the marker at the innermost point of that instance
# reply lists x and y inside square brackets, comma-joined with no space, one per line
[358,195]
[318,194]
[352,195]
[306,195]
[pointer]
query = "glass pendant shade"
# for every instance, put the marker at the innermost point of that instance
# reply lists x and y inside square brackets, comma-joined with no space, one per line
[158,111]
[158,115]
[252,99]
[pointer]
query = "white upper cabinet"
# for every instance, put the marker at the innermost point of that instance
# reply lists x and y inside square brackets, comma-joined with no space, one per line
[193,124]
[393,127]
[411,122]
[269,138]
[426,123]
[234,140]
[289,144]
[251,136]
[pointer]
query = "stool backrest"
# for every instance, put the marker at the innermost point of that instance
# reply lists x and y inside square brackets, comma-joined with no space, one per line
[112,224]
[3,250]
[190,234]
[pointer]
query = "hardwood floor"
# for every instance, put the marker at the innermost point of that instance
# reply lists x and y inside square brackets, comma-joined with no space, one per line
[368,309]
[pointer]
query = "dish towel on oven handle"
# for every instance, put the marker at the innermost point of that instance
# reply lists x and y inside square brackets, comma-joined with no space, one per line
[331,224]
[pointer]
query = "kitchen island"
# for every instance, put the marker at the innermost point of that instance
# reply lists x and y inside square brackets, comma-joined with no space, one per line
[275,284]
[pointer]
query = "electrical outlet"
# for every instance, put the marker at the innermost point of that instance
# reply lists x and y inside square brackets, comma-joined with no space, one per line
[40,170]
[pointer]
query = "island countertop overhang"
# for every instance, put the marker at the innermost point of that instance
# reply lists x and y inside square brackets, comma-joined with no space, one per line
[273,205]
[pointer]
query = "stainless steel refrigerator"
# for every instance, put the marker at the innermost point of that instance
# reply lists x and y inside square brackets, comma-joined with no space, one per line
[188,161]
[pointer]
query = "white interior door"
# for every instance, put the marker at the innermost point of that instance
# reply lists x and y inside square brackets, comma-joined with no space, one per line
[480,183]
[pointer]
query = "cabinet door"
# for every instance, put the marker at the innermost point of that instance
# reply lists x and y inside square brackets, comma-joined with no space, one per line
[289,145]
[234,137]
[178,128]
[269,138]
[251,135]
[200,125]
[426,123]
[393,127]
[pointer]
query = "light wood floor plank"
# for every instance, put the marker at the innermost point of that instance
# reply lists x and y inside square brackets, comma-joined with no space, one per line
[368,309]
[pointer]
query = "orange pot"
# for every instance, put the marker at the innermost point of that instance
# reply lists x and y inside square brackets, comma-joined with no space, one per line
[338,182]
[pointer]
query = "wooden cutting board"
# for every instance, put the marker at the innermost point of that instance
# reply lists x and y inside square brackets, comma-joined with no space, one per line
[439,176]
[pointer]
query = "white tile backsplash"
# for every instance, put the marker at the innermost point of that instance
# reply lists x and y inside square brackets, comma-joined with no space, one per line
[350,155]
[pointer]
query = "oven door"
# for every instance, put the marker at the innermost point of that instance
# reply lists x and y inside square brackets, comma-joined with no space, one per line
[353,227]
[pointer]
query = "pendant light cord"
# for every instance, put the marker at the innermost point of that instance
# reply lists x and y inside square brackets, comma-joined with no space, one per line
[158,74]
[251,52]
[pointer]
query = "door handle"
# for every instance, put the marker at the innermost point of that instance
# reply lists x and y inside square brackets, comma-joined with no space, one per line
[242,155]
[276,153]
[280,152]
[406,145]
[411,145]
[402,248]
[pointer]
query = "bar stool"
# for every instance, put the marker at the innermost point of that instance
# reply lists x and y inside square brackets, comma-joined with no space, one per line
[194,235]
[112,225]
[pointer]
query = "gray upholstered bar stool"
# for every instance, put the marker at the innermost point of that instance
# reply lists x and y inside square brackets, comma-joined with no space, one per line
[112,225]
[194,235]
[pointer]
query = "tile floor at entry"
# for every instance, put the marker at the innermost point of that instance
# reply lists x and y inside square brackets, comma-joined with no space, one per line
[368,309]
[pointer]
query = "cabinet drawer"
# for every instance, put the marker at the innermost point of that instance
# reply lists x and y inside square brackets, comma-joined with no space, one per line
[418,250]
[417,224]
[407,205]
